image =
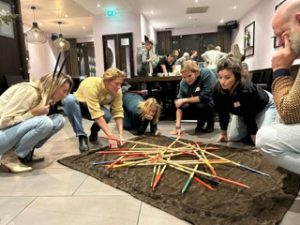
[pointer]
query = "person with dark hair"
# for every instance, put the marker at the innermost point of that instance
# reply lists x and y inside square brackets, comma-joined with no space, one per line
[249,106]
[194,99]
[279,143]
[24,121]
[139,113]
[90,101]
[165,64]
[144,58]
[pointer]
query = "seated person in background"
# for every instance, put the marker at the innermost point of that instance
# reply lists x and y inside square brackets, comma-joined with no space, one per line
[138,113]
[279,142]
[144,58]
[212,57]
[250,106]
[165,64]
[90,101]
[182,59]
[175,53]
[195,97]
[194,56]
[24,121]
[236,52]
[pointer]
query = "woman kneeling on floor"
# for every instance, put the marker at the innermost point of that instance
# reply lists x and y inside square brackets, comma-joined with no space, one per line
[139,113]
[194,100]
[249,106]
[24,120]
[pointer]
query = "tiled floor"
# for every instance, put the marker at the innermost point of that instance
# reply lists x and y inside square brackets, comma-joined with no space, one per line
[55,195]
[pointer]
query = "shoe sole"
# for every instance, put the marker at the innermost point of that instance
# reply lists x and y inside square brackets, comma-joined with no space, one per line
[15,168]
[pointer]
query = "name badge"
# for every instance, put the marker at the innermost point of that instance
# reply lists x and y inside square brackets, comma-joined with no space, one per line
[236,104]
[197,89]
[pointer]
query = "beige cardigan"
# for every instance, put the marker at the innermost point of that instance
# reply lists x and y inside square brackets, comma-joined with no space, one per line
[286,92]
[16,103]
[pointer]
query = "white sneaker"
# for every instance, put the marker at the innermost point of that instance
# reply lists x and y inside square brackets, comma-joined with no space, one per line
[14,165]
[17,167]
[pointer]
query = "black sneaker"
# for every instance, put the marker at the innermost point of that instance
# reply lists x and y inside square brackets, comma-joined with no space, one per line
[199,127]
[210,127]
[93,137]
[83,143]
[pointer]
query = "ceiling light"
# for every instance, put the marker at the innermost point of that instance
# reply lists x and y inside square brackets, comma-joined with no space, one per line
[60,43]
[35,35]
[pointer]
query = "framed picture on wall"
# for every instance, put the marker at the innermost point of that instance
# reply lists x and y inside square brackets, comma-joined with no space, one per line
[276,39]
[6,30]
[249,34]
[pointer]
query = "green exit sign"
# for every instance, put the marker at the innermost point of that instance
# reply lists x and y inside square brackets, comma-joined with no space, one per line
[111,12]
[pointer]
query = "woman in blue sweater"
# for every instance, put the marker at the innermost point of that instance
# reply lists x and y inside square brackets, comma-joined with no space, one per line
[139,113]
[248,105]
[194,99]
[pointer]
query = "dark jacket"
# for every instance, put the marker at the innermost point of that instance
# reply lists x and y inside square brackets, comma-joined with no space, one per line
[247,100]
[132,116]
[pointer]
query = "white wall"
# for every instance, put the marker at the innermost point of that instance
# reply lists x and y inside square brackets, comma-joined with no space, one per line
[147,29]
[123,23]
[194,30]
[263,47]
[42,59]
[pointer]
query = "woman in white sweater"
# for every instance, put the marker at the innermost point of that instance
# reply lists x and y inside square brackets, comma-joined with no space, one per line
[24,121]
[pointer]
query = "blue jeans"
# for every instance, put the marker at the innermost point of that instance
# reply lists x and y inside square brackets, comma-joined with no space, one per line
[29,134]
[237,128]
[76,111]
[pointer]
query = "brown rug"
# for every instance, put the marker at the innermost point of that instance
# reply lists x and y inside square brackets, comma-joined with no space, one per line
[265,203]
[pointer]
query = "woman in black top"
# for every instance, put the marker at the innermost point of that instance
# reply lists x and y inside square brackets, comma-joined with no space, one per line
[250,106]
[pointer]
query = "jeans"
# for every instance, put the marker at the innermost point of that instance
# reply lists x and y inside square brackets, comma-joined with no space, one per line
[29,134]
[237,128]
[279,143]
[76,111]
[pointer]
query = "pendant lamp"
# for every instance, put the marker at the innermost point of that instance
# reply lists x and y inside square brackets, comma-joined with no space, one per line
[35,35]
[60,43]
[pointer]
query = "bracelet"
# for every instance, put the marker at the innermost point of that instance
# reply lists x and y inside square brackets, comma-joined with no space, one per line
[178,128]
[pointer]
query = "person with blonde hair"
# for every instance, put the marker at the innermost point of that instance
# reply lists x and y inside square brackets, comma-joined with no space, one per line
[90,101]
[194,99]
[139,113]
[236,52]
[24,120]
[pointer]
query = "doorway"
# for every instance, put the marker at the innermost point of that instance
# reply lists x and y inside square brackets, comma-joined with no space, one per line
[118,52]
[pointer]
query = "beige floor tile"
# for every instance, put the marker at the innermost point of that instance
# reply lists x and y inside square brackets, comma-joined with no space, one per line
[46,182]
[150,215]
[10,207]
[92,186]
[80,211]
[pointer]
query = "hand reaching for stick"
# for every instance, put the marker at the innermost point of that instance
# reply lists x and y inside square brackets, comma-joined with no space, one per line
[177,131]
